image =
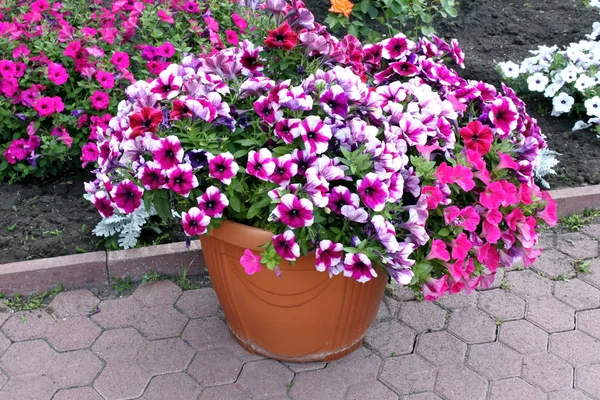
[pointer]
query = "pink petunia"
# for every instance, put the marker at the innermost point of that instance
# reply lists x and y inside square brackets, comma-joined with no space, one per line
[57,74]
[438,251]
[373,192]
[477,137]
[433,195]
[459,174]
[461,247]
[182,180]
[100,100]
[504,115]
[548,214]
[167,152]
[359,267]
[232,37]
[239,22]
[285,245]
[89,154]
[488,255]
[105,79]
[120,60]
[294,212]
[433,289]
[329,257]
[222,167]
[213,202]
[260,164]
[194,222]
[127,196]
[250,262]
[165,17]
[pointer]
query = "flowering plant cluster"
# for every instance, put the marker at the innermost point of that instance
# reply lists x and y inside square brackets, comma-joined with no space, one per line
[374,158]
[570,77]
[64,66]
[391,16]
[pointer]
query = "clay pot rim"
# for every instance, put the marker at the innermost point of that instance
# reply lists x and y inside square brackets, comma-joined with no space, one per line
[241,235]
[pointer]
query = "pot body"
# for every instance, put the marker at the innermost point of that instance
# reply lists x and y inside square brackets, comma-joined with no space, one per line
[302,316]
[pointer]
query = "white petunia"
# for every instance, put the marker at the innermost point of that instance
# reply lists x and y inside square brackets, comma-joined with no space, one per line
[569,74]
[595,3]
[584,82]
[592,106]
[552,89]
[537,82]
[509,69]
[562,103]
[579,125]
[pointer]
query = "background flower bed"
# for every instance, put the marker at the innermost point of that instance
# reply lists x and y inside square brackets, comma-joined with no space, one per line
[488,31]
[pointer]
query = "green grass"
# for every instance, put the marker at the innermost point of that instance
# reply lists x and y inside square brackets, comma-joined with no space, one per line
[575,222]
[122,285]
[19,302]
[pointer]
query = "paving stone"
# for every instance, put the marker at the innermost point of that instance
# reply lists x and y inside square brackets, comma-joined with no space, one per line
[570,394]
[593,276]
[27,325]
[3,379]
[501,304]
[575,347]
[125,380]
[390,338]
[374,390]
[156,293]
[472,326]
[497,282]
[198,303]
[165,356]
[265,378]
[494,360]
[72,333]
[119,345]
[550,314]
[29,388]
[399,292]
[454,302]
[361,360]
[5,313]
[215,367]
[553,263]
[408,374]
[177,386]
[577,245]
[423,316]
[227,392]
[592,230]
[441,348]
[589,322]
[423,396]
[515,388]
[320,384]
[74,303]
[160,322]
[547,372]
[301,367]
[528,284]
[4,343]
[81,393]
[118,313]
[75,368]
[523,336]
[27,358]
[577,294]
[388,309]
[460,383]
[587,379]
[208,333]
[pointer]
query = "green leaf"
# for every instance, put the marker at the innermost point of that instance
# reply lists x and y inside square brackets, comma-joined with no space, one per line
[353,30]
[240,153]
[163,205]
[373,12]
[235,204]
[256,207]
[444,232]
[365,5]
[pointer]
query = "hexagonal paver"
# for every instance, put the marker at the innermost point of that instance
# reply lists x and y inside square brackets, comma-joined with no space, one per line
[494,360]
[501,304]
[81,393]
[28,387]
[28,358]
[577,245]
[177,386]
[208,333]
[118,313]
[198,303]
[589,322]
[577,294]
[4,343]
[125,380]
[423,396]
[553,263]
[230,392]
[375,390]
[515,388]
[592,230]
[301,367]
[360,360]
[399,292]
[118,345]
[528,284]
[27,325]
[390,338]
[408,374]
[570,394]
[75,303]
[423,316]
[550,314]
[215,367]
[441,348]
[317,384]
[75,368]
[576,347]
[548,372]
[454,302]
[156,293]
[160,322]
[165,356]
[523,336]
[587,379]
[72,333]
[265,378]
[472,326]
[460,383]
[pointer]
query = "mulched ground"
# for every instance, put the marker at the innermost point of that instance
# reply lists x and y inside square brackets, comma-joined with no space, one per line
[52,219]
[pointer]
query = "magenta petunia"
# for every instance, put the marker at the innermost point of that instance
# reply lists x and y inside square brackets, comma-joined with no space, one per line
[250,262]
[294,212]
[57,74]
[341,196]
[127,196]
[314,133]
[167,152]
[100,100]
[222,167]
[461,247]
[260,164]
[103,204]
[504,115]
[182,180]
[89,153]
[285,245]
[285,129]
[358,266]
[334,102]
[329,257]
[438,251]
[120,60]
[105,79]
[373,192]
[459,174]
[194,222]
[213,202]
[285,170]
[268,110]
[433,289]
[152,176]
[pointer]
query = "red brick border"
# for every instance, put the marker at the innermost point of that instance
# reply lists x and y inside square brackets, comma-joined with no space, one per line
[98,268]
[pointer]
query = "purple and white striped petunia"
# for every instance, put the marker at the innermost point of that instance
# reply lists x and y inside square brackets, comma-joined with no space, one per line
[358,266]
[213,202]
[285,245]
[194,222]
[314,133]
[385,233]
[260,164]
[334,102]
[222,167]
[329,257]
[373,192]
[294,212]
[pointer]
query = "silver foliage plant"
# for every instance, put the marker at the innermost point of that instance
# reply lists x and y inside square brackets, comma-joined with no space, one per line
[545,166]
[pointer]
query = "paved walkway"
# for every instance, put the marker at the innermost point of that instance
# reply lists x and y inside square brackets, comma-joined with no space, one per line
[535,335]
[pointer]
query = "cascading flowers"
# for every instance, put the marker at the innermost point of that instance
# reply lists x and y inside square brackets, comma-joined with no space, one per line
[376,159]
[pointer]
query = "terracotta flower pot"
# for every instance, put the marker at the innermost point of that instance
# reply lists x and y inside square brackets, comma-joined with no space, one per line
[303,316]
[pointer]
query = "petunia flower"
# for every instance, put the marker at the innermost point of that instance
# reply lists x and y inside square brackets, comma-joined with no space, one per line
[285,170]
[285,129]
[461,247]
[127,196]
[385,233]
[182,180]
[194,222]
[438,251]
[120,60]
[314,133]
[459,174]
[294,212]
[222,167]
[433,289]
[373,192]
[281,37]
[285,245]
[167,152]
[355,214]
[213,202]
[57,74]
[477,137]
[334,102]
[250,262]
[152,176]
[341,196]
[89,153]
[100,100]
[504,115]
[359,267]
[260,164]
[105,79]
[329,257]
[103,204]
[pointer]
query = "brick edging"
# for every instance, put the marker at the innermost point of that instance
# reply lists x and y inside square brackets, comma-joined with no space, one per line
[100,268]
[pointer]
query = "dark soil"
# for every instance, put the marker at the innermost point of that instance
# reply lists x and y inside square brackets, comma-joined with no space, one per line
[492,31]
